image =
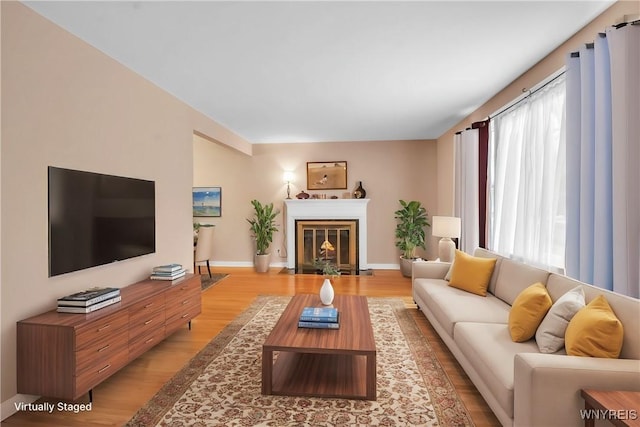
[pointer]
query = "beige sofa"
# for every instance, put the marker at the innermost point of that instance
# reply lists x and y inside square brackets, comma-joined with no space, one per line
[522,386]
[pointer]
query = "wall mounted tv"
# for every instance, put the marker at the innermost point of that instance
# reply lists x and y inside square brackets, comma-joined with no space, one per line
[96,219]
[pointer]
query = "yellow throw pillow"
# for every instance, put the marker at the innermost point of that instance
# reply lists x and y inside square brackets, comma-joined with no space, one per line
[594,331]
[471,274]
[527,312]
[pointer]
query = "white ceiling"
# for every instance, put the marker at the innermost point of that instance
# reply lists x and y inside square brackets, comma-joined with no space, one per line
[303,71]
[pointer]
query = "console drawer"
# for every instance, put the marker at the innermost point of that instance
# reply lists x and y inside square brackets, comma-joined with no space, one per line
[146,308]
[182,291]
[95,331]
[100,371]
[145,325]
[182,317]
[100,350]
[144,342]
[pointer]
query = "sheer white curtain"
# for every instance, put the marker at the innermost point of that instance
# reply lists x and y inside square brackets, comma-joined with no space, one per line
[466,146]
[527,178]
[603,162]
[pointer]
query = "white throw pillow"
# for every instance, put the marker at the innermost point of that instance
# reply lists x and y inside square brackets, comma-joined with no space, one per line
[550,333]
[447,277]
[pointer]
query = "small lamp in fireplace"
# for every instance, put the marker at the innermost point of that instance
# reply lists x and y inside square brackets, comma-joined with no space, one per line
[288,177]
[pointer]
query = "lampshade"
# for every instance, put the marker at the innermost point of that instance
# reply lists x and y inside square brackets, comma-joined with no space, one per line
[288,176]
[445,226]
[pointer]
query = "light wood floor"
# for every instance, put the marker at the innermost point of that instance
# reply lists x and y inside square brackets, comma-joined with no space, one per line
[118,398]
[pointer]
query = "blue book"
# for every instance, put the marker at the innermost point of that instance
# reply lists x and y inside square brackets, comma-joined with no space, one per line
[318,325]
[319,314]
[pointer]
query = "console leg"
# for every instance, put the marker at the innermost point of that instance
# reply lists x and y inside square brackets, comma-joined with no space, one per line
[189,324]
[91,396]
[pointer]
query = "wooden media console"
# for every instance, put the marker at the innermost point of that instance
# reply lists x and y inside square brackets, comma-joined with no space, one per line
[62,355]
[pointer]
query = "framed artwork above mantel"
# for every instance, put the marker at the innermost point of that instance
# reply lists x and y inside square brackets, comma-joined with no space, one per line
[327,175]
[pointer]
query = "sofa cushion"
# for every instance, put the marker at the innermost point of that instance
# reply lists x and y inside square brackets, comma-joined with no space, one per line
[514,277]
[471,274]
[485,253]
[450,305]
[527,312]
[594,331]
[491,352]
[627,309]
[550,333]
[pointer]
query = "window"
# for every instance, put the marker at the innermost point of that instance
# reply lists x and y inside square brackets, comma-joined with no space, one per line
[527,178]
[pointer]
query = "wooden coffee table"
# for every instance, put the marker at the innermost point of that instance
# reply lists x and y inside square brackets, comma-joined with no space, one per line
[322,362]
[622,408]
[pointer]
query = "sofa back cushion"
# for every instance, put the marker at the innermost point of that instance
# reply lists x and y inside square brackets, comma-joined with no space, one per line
[484,253]
[514,277]
[625,308]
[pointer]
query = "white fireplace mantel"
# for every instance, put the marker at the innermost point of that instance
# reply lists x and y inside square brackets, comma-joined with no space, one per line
[319,209]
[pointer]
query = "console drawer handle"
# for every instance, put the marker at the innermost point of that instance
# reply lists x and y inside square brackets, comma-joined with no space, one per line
[148,341]
[148,321]
[148,305]
[185,302]
[185,315]
[104,369]
[104,327]
[104,348]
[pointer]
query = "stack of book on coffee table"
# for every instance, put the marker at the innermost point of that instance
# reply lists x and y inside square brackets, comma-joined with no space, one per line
[319,318]
[89,300]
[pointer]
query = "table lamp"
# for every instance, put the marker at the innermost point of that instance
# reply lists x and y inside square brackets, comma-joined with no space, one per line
[446,227]
[288,177]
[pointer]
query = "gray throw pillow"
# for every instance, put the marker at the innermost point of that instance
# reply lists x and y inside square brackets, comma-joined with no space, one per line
[550,333]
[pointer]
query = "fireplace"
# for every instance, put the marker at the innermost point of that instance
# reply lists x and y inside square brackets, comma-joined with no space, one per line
[335,213]
[329,241]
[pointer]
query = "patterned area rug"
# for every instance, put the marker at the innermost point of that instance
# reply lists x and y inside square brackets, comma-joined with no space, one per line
[208,282]
[221,385]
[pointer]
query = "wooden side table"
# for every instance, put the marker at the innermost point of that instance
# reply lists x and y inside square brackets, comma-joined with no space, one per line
[621,408]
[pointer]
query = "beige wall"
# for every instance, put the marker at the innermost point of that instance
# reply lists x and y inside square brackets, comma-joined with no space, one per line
[66,104]
[389,171]
[547,66]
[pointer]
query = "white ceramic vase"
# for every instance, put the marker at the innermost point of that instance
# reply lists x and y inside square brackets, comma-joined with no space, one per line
[326,292]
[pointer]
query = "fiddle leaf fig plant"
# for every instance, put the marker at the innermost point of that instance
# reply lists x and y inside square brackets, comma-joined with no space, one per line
[263,225]
[410,229]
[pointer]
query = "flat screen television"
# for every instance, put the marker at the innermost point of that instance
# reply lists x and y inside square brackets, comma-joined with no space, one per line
[96,219]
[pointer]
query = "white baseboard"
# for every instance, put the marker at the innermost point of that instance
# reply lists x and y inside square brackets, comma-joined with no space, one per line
[384,266]
[238,264]
[8,407]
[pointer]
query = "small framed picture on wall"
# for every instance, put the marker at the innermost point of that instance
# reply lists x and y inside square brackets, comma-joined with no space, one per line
[207,201]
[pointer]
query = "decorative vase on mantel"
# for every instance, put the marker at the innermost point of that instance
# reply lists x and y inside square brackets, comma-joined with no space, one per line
[326,292]
[359,192]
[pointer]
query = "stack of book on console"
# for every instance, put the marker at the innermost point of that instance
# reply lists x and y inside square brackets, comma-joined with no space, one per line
[319,318]
[89,300]
[168,272]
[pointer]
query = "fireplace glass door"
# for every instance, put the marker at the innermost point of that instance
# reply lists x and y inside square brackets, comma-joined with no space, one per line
[326,241]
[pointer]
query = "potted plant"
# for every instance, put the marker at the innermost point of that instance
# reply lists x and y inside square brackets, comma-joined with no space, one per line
[328,268]
[410,232]
[263,226]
